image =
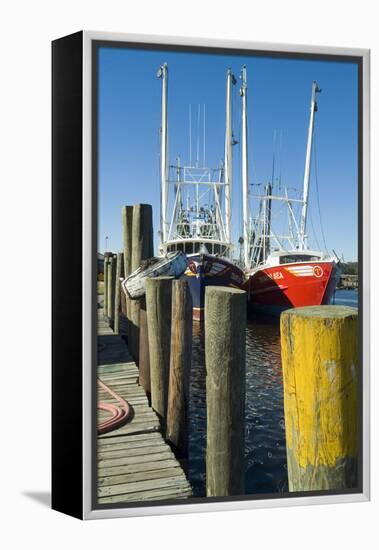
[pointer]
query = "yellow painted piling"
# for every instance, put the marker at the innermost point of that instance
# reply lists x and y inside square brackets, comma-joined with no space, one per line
[319,347]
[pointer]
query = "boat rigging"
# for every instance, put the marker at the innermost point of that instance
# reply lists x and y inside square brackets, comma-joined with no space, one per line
[282,271]
[196,211]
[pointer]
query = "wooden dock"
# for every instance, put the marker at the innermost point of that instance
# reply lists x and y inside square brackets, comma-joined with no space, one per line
[134,461]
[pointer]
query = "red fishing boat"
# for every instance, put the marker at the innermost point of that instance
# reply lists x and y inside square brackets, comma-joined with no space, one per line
[282,272]
[292,280]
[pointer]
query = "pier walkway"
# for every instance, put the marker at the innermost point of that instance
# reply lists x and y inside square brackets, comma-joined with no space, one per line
[134,463]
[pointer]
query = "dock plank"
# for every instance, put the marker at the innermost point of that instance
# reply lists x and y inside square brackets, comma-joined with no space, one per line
[145,485]
[131,440]
[139,476]
[157,494]
[140,466]
[135,451]
[110,462]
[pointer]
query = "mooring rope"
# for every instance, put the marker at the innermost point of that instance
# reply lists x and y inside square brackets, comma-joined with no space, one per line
[120,414]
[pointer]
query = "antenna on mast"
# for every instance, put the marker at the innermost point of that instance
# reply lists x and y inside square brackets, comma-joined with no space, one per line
[203,135]
[198,136]
[190,133]
[308,158]
[163,74]
[245,175]
[228,170]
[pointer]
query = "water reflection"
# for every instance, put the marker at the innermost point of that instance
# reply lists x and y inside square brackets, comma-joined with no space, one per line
[265,457]
[265,453]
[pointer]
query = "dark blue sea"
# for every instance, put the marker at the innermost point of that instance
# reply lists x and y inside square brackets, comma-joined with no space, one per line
[265,452]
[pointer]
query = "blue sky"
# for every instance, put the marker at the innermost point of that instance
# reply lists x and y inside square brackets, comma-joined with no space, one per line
[278,99]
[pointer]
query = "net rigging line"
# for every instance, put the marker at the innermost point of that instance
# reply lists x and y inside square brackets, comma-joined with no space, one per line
[318,193]
[239,145]
[314,231]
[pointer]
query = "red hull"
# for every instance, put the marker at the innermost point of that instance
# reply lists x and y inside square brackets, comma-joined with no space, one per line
[281,287]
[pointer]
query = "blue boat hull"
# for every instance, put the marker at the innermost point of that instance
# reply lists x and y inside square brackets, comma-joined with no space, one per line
[207,270]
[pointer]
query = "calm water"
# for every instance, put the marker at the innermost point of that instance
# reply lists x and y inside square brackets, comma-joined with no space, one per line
[265,453]
[346,298]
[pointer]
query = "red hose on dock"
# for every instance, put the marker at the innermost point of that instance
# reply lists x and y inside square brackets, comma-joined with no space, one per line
[120,414]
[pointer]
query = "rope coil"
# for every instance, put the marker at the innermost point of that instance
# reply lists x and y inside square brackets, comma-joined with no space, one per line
[120,414]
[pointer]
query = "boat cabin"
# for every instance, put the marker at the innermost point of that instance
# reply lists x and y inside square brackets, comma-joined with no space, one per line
[281,257]
[198,246]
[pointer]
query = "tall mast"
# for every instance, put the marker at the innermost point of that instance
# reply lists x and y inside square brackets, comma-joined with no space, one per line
[245,181]
[228,164]
[308,158]
[163,74]
[267,230]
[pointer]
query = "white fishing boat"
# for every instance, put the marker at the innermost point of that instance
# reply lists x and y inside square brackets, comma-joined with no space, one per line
[196,212]
[172,264]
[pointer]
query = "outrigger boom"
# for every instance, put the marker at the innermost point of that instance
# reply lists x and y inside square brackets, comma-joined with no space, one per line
[245,170]
[307,170]
[163,74]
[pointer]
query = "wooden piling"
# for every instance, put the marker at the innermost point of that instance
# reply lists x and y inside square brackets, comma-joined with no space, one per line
[105,295]
[319,348]
[107,288]
[117,299]
[127,228]
[133,336]
[144,356]
[142,234]
[142,249]
[158,303]
[123,304]
[127,225]
[111,286]
[180,366]
[225,327]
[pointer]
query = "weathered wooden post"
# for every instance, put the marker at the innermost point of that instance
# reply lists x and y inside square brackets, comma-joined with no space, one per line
[107,288]
[117,295]
[111,286]
[123,303]
[127,224]
[142,248]
[320,377]
[144,356]
[225,327]
[180,366]
[127,227]
[158,302]
[105,295]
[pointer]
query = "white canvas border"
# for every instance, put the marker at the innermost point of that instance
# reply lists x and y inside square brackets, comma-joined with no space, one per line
[88,512]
